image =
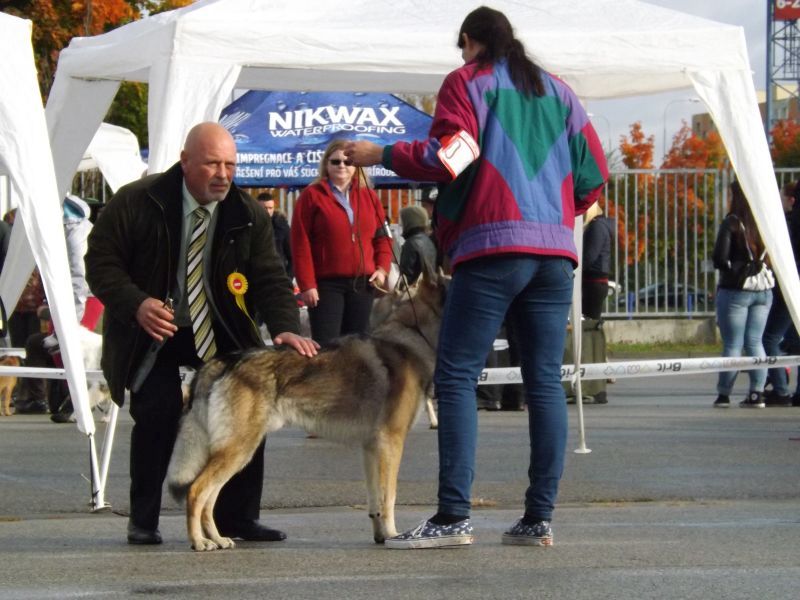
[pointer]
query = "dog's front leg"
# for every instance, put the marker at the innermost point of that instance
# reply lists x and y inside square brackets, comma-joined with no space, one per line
[374,500]
[389,457]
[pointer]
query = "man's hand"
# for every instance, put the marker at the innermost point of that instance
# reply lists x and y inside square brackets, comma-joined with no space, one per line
[363,154]
[156,319]
[303,345]
[310,297]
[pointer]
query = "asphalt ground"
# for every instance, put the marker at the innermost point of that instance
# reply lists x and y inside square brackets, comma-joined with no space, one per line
[676,500]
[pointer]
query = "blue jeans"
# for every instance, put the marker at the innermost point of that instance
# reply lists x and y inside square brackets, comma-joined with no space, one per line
[778,324]
[536,292]
[742,316]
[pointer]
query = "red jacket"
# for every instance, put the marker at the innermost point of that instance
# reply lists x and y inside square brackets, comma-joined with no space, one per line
[325,244]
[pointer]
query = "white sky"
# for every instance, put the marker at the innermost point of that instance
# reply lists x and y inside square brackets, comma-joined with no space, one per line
[613,118]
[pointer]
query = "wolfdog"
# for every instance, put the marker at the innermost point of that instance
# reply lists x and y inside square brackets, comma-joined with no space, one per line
[364,390]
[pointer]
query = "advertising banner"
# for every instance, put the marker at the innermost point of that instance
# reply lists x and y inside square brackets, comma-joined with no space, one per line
[280,136]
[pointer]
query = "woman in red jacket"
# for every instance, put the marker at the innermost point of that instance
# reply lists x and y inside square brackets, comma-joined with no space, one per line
[339,249]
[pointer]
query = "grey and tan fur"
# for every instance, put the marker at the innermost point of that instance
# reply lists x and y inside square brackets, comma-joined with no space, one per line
[364,390]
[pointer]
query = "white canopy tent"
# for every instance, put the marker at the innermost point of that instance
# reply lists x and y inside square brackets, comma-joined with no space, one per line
[193,59]
[115,151]
[26,159]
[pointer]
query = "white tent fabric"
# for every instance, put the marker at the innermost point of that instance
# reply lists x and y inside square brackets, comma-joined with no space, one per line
[26,158]
[115,151]
[194,57]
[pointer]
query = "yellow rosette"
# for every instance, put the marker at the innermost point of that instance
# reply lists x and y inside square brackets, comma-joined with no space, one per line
[237,285]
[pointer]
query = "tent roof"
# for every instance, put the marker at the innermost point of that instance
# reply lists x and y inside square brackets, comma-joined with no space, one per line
[194,57]
[603,48]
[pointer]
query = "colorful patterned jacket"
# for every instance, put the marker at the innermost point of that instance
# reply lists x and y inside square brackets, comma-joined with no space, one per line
[540,165]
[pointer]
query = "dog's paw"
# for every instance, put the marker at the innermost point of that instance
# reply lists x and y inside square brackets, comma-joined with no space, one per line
[203,545]
[225,543]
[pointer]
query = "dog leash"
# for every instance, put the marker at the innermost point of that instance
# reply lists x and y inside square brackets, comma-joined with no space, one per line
[362,178]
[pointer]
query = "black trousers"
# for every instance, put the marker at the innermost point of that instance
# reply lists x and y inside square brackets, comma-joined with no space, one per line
[345,304]
[593,296]
[32,389]
[22,325]
[156,409]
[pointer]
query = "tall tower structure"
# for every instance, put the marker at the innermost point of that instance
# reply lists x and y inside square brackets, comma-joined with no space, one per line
[783,54]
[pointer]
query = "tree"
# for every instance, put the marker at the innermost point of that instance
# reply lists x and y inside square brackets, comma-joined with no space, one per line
[56,22]
[690,151]
[637,151]
[786,144]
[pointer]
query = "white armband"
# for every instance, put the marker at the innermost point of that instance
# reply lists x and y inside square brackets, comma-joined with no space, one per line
[458,152]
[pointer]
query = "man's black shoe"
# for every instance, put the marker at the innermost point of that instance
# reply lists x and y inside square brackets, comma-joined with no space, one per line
[147,537]
[62,417]
[252,531]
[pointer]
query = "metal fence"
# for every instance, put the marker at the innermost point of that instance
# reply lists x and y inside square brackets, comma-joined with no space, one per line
[666,225]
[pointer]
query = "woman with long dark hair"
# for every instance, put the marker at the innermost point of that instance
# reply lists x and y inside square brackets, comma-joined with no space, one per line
[741,313]
[520,160]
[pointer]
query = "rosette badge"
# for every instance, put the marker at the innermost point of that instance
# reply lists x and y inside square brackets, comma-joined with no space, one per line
[237,285]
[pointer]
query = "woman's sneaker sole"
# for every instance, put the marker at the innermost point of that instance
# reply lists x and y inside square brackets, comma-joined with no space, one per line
[434,542]
[526,540]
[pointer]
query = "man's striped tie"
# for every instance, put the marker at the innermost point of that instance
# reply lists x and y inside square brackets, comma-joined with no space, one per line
[198,304]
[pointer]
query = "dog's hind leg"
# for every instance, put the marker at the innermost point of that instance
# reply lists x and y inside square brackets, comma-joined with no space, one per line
[195,503]
[219,469]
[209,526]
[431,410]
[374,498]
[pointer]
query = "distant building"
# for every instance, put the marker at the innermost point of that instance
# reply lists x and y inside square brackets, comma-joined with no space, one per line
[785,105]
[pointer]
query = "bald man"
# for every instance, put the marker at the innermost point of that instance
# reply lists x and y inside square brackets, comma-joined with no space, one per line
[146,241]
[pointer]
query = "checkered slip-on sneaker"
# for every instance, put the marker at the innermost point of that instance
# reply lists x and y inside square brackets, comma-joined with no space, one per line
[520,534]
[428,535]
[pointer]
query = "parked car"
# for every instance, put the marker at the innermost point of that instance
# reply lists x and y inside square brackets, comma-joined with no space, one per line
[669,297]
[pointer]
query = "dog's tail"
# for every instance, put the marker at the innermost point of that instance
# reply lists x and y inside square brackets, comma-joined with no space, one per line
[192,445]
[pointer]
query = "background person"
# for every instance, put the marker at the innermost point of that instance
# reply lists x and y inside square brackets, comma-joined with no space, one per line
[42,349]
[598,234]
[339,247]
[280,230]
[779,321]
[741,314]
[159,239]
[418,254]
[508,232]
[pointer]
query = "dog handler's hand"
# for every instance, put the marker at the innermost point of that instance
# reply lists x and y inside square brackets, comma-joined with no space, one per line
[156,319]
[303,345]
[378,279]
[363,154]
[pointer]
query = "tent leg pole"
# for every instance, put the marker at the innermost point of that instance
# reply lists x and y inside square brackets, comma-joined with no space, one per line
[108,444]
[97,489]
[581,449]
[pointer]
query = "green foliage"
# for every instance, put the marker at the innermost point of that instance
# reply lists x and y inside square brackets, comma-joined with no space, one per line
[129,110]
